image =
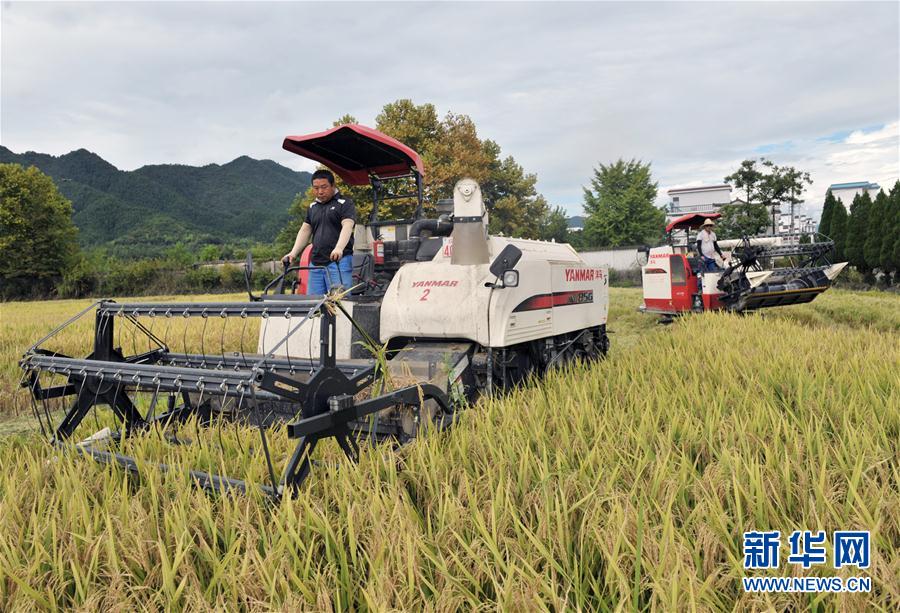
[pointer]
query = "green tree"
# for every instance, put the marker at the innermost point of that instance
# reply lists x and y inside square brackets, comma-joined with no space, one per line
[556,226]
[577,240]
[889,257]
[838,234]
[747,177]
[180,255]
[857,231]
[38,241]
[793,182]
[742,219]
[827,214]
[781,185]
[619,205]
[210,252]
[767,185]
[878,226]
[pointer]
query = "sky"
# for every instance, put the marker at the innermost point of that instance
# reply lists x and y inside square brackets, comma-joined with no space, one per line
[692,88]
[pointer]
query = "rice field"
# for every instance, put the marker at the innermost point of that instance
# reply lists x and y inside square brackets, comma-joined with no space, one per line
[621,485]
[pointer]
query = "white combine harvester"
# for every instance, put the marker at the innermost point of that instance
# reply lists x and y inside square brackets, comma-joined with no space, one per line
[449,310]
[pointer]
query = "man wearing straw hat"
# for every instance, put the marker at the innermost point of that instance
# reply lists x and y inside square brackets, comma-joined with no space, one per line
[707,247]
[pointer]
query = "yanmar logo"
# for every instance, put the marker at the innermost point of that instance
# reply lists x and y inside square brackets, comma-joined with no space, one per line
[584,274]
[435,283]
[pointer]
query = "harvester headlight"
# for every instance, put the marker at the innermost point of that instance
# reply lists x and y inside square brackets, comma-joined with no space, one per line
[511,278]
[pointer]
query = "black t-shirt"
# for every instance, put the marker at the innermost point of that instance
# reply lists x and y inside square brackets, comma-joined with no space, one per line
[325,219]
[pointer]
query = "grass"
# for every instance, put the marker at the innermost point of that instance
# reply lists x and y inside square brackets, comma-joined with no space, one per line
[625,484]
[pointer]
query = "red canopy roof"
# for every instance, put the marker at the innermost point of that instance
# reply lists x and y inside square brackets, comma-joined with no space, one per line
[354,152]
[691,220]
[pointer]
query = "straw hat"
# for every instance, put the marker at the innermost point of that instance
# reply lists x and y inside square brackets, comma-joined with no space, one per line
[708,222]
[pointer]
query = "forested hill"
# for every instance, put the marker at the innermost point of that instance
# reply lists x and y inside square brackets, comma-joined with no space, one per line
[143,212]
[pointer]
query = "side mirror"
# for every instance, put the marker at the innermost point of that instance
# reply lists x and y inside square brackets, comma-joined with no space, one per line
[643,255]
[511,278]
[507,260]
[248,275]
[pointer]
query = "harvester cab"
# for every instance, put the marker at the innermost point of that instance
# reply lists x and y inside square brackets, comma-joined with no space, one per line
[761,272]
[456,313]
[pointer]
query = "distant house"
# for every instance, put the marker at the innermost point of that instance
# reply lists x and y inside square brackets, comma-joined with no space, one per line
[801,224]
[704,199]
[845,192]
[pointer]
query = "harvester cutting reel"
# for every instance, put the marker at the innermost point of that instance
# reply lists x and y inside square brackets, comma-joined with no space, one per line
[317,399]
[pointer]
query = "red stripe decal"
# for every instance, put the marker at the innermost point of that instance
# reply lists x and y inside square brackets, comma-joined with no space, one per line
[556,299]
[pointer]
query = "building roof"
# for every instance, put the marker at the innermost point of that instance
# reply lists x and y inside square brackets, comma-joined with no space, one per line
[702,188]
[856,185]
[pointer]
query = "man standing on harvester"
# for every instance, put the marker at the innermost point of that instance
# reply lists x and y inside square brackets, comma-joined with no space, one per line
[329,222]
[708,247]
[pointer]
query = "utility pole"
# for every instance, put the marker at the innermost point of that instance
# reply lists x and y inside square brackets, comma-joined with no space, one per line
[792,209]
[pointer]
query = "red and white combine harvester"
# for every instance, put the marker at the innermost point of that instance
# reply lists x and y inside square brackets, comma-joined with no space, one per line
[761,272]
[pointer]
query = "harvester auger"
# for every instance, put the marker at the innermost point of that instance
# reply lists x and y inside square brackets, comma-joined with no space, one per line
[437,309]
[262,389]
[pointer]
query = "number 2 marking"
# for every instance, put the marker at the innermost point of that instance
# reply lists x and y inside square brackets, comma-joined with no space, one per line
[425,295]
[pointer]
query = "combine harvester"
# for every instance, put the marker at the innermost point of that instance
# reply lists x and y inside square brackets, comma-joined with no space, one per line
[764,272]
[437,303]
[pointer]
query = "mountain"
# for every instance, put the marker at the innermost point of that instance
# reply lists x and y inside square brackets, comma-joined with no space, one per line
[575,222]
[142,212]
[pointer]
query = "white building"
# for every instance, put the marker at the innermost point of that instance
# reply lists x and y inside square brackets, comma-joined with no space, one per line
[803,224]
[846,192]
[705,199]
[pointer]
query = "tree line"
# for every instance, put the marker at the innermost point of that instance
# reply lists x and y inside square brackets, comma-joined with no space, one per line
[868,236]
[40,255]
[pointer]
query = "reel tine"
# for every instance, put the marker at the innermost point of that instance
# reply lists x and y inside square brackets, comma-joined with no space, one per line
[220,420]
[113,409]
[168,316]
[243,331]
[94,404]
[264,335]
[151,411]
[196,413]
[184,347]
[222,339]
[117,330]
[237,434]
[133,334]
[287,351]
[203,338]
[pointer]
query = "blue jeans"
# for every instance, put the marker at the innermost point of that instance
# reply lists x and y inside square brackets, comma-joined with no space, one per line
[336,273]
[709,264]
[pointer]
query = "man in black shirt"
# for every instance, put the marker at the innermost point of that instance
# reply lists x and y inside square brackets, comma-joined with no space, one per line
[329,222]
